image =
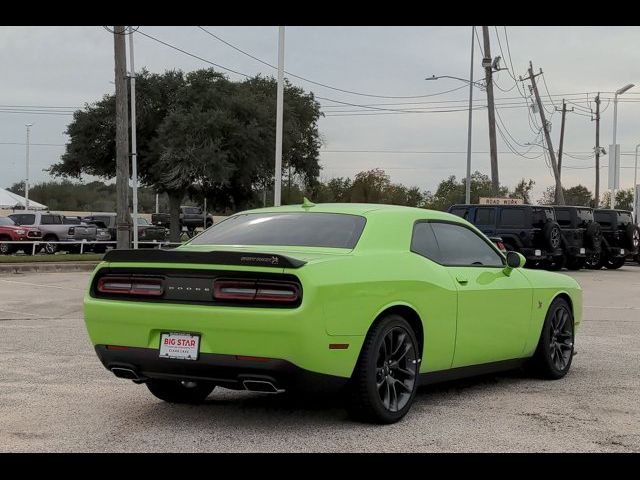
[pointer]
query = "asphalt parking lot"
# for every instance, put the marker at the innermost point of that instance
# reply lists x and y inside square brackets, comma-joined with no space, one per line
[56,396]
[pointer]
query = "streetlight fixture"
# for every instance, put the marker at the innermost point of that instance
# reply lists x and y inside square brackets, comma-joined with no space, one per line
[471,85]
[26,182]
[616,153]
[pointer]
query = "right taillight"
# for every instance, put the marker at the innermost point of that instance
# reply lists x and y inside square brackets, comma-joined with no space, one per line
[256,291]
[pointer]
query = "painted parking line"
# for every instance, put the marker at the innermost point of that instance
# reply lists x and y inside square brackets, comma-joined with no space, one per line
[41,285]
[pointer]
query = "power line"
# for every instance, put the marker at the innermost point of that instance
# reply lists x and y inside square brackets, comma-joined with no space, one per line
[194,55]
[238,49]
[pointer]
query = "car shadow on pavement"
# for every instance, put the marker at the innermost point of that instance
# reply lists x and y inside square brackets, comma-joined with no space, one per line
[239,409]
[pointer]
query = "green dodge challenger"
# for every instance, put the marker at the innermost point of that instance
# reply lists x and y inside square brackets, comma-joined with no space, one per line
[372,300]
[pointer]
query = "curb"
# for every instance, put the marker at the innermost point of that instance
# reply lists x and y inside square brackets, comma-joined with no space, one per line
[47,267]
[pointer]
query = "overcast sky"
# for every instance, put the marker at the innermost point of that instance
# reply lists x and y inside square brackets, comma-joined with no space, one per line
[68,66]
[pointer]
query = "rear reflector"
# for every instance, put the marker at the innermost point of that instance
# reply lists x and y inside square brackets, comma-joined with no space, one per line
[116,347]
[252,359]
[130,285]
[256,291]
[338,346]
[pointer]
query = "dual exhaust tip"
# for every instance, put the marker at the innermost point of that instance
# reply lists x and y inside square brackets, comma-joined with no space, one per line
[264,386]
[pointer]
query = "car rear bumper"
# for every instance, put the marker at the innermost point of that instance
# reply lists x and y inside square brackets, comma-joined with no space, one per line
[537,254]
[230,371]
[574,251]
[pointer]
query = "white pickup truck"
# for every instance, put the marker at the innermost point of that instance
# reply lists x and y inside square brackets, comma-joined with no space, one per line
[54,229]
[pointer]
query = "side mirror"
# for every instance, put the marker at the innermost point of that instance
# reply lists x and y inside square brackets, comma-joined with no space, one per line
[514,260]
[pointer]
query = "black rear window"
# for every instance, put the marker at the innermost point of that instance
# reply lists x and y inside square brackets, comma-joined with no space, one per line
[585,216]
[603,218]
[287,229]
[624,218]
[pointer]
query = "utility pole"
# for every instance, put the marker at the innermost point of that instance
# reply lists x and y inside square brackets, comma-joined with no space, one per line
[564,113]
[26,181]
[597,197]
[134,147]
[122,139]
[279,112]
[493,150]
[467,189]
[545,126]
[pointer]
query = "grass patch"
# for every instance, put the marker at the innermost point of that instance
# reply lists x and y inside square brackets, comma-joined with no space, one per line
[68,257]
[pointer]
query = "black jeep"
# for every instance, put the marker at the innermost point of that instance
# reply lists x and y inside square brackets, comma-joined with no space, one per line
[620,237]
[581,235]
[530,230]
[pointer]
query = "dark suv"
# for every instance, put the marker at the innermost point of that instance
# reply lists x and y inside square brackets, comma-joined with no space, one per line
[528,229]
[581,235]
[620,237]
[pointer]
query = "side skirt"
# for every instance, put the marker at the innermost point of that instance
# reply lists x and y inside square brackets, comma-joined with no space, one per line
[430,378]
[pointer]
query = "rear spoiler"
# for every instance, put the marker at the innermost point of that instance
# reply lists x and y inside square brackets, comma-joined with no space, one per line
[217,258]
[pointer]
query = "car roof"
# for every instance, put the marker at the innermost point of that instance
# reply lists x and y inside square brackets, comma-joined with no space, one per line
[363,209]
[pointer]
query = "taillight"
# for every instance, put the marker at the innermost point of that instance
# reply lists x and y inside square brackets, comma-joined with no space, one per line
[130,286]
[256,291]
[72,230]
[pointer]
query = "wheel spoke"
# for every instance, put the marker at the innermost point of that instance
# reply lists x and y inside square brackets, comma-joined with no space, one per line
[563,319]
[408,346]
[394,396]
[400,341]
[405,387]
[408,373]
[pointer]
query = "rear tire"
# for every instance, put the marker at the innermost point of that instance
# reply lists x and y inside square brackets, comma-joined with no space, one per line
[6,248]
[174,391]
[553,356]
[385,379]
[614,263]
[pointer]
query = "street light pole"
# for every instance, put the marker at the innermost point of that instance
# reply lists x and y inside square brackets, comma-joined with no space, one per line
[616,150]
[635,188]
[134,147]
[279,114]
[26,182]
[467,195]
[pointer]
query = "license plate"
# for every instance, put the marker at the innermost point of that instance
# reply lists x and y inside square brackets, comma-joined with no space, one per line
[182,346]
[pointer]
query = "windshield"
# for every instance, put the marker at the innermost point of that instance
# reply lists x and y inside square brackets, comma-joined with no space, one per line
[6,221]
[286,229]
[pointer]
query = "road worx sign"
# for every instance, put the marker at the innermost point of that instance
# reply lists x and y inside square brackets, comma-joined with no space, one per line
[500,201]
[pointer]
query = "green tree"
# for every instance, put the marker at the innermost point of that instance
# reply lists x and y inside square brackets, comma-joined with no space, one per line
[200,135]
[523,190]
[578,195]
[624,199]
[369,186]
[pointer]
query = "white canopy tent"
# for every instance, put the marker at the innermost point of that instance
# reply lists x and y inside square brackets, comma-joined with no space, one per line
[10,200]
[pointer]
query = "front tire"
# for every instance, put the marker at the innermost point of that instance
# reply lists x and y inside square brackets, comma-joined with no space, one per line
[385,379]
[174,391]
[553,356]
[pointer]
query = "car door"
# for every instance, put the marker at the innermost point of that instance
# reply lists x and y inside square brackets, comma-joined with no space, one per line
[494,306]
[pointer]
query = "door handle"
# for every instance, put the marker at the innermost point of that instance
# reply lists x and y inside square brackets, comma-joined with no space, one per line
[462,280]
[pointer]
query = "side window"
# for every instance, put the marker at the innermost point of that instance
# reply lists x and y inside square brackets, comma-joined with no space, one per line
[603,218]
[46,220]
[512,217]
[460,246]
[564,218]
[23,219]
[485,216]
[423,241]
[461,212]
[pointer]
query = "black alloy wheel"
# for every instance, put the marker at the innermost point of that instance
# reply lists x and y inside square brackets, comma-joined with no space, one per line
[385,379]
[5,248]
[554,353]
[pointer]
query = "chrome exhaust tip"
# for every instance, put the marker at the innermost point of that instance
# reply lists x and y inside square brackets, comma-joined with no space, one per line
[263,386]
[127,373]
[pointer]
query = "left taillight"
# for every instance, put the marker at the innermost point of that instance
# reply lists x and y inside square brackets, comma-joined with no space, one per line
[125,285]
[256,291]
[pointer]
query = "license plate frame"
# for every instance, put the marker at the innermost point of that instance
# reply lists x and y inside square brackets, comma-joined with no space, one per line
[179,346]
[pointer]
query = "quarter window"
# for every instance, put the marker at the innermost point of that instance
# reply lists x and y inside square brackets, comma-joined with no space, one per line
[423,241]
[563,217]
[460,246]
